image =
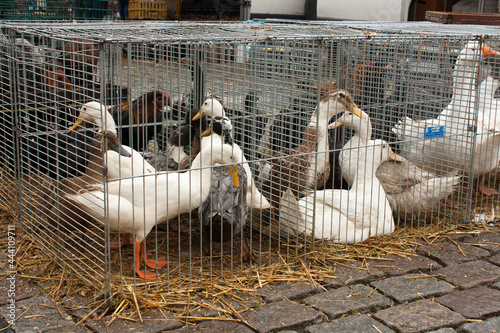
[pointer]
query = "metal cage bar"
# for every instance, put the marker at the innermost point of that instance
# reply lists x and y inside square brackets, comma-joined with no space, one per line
[427,92]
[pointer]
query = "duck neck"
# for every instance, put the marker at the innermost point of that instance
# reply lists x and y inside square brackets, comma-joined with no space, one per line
[200,170]
[363,130]
[365,179]
[317,130]
[463,76]
[106,122]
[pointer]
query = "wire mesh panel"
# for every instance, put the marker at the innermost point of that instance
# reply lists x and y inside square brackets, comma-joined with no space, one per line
[312,116]
[55,10]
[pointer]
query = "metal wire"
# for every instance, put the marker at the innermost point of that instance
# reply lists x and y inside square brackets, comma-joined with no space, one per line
[271,79]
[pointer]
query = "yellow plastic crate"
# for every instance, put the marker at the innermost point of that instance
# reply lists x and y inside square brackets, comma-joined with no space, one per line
[147,10]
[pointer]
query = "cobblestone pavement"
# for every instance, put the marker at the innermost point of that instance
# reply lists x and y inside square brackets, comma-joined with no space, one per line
[451,286]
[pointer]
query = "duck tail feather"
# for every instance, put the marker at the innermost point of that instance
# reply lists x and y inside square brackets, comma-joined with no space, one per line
[289,212]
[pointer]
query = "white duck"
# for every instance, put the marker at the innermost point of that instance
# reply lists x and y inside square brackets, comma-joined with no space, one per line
[117,166]
[136,205]
[255,200]
[487,152]
[445,155]
[409,190]
[344,216]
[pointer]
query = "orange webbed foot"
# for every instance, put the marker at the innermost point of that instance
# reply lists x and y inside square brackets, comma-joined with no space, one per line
[118,244]
[147,275]
[487,191]
[151,263]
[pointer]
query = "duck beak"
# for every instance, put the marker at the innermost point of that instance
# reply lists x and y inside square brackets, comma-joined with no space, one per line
[120,150]
[206,133]
[336,124]
[488,51]
[357,111]
[395,157]
[198,115]
[79,122]
[233,170]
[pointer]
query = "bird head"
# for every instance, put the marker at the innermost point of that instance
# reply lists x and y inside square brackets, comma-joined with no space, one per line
[90,112]
[212,108]
[337,101]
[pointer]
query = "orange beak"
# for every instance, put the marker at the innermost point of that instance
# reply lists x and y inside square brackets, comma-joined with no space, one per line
[78,123]
[488,51]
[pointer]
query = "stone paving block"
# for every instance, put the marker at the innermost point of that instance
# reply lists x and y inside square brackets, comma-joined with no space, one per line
[471,274]
[397,265]
[245,301]
[491,325]
[444,330]
[17,286]
[70,328]
[495,259]
[352,273]
[449,254]
[209,311]
[77,305]
[496,284]
[359,298]
[420,316]
[282,291]
[281,315]
[153,321]
[487,240]
[212,326]
[350,324]
[38,312]
[411,287]
[474,303]
[4,326]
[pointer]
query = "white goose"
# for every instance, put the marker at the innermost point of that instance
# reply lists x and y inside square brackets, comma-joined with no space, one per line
[344,216]
[409,190]
[452,152]
[135,205]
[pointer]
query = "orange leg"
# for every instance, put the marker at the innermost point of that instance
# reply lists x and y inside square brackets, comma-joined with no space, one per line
[487,191]
[117,244]
[245,253]
[137,263]
[151,263]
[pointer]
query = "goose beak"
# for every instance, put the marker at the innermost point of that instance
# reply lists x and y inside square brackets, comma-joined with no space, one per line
[78,122]
[336,124]
[206,133]
[198,115]
[357,111]
[233,170]
[488,51]
[395,157]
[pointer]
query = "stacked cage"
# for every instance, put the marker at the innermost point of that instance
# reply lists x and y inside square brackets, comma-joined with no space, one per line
[55,10]
[102,126]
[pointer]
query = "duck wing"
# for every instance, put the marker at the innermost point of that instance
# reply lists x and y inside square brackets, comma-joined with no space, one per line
[433,154]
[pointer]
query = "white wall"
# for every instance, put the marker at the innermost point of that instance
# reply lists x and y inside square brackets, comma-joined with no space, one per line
[366,10]
[279,7]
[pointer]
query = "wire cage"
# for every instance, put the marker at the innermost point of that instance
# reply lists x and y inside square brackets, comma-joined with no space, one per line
[56,10]
[314,109]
